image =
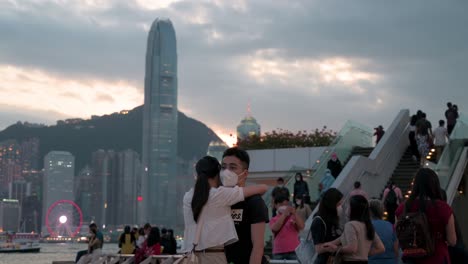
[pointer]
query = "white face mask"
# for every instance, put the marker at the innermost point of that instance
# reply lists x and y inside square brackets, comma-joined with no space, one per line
[282,209]
[229,178]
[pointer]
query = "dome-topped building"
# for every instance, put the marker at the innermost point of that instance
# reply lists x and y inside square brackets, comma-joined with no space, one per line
[248,127]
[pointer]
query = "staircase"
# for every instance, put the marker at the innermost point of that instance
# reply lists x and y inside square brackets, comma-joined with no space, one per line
[404,173]
[360,151]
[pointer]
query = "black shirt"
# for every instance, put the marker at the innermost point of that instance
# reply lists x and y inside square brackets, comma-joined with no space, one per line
[334,167]
[251,211]
[320,236]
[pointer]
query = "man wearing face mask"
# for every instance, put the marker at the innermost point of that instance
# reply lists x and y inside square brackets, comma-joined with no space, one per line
[250,216]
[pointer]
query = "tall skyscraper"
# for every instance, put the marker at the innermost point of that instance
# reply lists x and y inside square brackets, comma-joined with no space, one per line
[159,155]
[59,173]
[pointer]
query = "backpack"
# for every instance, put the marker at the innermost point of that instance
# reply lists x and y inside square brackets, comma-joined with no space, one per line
[391,198]
[414,235]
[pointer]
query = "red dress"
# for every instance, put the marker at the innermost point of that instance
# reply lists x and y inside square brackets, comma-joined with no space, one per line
[145,251]
[438,215]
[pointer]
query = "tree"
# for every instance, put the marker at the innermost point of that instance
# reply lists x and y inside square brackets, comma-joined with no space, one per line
[287,139]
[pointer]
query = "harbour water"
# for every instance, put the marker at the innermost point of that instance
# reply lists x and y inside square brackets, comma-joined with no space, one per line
[51,252]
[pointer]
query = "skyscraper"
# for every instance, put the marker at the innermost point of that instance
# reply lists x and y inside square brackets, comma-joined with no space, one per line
[59,173]
[159,155]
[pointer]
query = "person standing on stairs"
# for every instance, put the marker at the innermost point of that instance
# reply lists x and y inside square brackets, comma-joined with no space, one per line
[301,188]
[392,197]
[334,165]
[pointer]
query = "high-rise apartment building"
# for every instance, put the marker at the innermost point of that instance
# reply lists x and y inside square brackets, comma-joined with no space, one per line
[10,165]
[9,215]
[159,155]
[59,172]
[103,166]
[123,188]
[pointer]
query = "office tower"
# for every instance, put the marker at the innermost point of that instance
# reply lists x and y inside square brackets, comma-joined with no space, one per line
[59,172]
[123,188]
[159,155]
[103,166]
[9,215]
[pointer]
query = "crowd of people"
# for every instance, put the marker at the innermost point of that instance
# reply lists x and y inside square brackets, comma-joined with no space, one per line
[142,242]
[367,238]
[422,137]
[225,219]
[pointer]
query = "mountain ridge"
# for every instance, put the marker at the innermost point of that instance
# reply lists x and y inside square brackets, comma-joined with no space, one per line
[118,131]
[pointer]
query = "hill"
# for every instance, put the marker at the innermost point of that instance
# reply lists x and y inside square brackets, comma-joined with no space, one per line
[116,131]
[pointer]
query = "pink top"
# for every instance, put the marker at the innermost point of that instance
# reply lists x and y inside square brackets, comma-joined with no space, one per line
[358,192]
[288,237]
[398,193]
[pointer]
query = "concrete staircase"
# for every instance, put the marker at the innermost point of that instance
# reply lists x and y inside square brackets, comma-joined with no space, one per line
[360,151]
[405,171]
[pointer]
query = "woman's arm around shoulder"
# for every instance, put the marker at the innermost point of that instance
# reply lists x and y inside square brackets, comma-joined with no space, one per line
[255,189]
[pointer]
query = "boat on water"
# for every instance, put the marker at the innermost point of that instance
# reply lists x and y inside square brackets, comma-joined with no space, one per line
[19,242]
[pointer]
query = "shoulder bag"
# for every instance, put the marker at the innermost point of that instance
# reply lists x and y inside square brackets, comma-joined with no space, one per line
[305,252]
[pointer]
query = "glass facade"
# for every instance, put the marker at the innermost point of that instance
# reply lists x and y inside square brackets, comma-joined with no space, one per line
[159,157]
[248,128]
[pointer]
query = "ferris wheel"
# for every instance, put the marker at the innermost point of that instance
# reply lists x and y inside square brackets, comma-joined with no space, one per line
[64,218]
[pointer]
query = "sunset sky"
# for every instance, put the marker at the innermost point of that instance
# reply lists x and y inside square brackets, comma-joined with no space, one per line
[300,64]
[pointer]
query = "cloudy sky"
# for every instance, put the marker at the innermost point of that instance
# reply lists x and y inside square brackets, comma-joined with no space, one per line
[301,64]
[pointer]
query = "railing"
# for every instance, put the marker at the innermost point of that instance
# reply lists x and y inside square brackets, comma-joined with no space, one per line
[452,186]
[351,135]
[376,170]
[448,161]
[129,259]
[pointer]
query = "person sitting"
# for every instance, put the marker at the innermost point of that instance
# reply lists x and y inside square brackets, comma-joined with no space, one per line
[95,244]
[127,241]
[152,246]
[141,237]
[172,245]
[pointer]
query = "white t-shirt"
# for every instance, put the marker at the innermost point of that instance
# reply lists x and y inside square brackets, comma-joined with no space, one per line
[218,227]
[440,135]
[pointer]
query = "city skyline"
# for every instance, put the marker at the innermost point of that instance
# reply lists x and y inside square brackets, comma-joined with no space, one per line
[296,58]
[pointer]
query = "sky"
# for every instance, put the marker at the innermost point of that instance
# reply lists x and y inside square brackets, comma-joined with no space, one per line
[300,65]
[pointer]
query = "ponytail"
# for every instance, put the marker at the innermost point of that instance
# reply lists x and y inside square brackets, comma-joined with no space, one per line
[200,195]
[207,168]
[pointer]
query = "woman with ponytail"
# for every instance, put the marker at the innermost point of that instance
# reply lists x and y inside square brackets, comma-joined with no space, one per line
[359,239]
[209,203]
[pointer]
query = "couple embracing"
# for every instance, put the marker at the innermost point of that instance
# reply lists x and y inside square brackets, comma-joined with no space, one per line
[223,217]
